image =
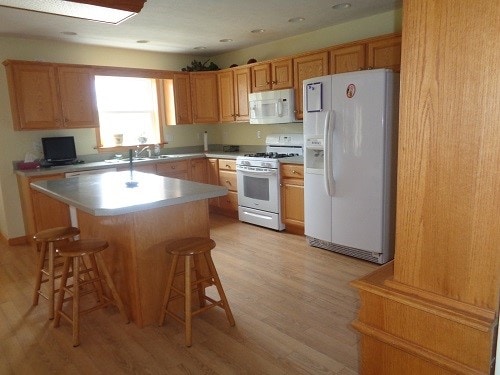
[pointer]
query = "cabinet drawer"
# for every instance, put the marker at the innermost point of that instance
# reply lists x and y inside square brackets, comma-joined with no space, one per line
[228,179]
[227,164]
[229,202]
[166,169]
[292,171]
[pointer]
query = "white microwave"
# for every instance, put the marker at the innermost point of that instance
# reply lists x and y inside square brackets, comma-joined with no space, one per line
[272,107]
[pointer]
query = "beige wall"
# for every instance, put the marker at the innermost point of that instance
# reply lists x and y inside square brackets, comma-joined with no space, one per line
[14,145]
[380,24]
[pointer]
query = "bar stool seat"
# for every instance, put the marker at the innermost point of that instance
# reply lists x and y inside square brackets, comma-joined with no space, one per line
[73,253]
[46,268]
[188,249]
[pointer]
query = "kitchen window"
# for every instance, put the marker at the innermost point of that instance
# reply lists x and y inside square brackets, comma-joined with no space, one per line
[128,111]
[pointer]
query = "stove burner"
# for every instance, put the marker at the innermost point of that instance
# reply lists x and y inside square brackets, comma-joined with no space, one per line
[270,155]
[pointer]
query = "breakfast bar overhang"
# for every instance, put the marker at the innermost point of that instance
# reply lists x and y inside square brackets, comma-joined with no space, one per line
[136,213]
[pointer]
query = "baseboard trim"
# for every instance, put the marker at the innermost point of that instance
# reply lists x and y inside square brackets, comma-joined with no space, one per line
[16,241]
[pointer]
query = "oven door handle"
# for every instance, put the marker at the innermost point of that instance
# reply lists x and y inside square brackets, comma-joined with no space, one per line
[257,173]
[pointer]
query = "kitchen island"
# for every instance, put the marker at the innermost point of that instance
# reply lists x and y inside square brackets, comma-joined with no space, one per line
[136,215]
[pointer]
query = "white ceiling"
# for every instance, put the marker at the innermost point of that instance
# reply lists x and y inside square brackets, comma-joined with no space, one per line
[178,26]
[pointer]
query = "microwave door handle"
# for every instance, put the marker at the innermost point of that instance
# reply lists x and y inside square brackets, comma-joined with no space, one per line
[279,107]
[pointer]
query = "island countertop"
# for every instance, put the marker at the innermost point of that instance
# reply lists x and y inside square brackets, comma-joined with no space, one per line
[107,194]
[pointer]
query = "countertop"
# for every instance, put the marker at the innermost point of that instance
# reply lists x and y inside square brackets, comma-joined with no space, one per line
[107,194]
[113,163]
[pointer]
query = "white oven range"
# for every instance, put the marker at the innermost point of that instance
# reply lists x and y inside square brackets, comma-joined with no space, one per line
[258,178]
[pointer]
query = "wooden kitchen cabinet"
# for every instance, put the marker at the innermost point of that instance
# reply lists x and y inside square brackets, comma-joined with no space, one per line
[182,98]
[292,197]
[384,53]
[175,169]
[40,212]
[225,84]
[347,59]
[213,178]
[204,98]
[241,86]
[373,53]
[273,75]
[305,67]
[234,87]
[227,178]
[51,96]
[198,170]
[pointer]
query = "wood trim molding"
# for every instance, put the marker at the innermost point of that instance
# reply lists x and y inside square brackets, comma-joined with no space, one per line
[416,350]
[23,240]
[380,282]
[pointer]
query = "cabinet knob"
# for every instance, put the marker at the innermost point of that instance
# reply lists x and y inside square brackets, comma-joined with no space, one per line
[172,166]
[274,82]
[294,171]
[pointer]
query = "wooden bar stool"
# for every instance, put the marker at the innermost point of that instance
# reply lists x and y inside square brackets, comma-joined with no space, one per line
[73,253]
[46,264]
[189,248]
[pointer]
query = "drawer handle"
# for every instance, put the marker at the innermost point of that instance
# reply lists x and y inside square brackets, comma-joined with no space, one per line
[228,182]
[228,166]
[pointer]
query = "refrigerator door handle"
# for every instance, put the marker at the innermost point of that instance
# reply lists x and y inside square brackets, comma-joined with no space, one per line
[328,153]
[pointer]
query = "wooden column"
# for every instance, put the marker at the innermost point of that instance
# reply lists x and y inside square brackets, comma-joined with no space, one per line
[434,309]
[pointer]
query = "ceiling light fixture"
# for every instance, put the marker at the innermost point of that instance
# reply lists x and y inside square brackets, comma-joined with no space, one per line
[296,19]
[68,33]
[105,11]
[200,47]
[225,40]
[258,31]
[341,6]
[142,41]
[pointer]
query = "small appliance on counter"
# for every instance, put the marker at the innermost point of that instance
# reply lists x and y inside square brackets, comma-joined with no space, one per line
[58,151]
[230,148]
[258,177]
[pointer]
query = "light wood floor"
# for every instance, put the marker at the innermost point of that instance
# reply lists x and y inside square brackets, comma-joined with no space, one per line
[291,302]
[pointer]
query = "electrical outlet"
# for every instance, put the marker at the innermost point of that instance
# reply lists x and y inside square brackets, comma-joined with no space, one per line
[37,148]
[258,134]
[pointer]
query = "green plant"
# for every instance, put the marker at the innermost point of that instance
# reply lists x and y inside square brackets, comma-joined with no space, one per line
[197,66]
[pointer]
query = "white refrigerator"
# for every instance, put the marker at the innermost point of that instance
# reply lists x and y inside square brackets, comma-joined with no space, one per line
[350,135]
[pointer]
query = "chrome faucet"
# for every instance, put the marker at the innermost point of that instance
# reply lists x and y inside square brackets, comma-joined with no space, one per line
[139,152]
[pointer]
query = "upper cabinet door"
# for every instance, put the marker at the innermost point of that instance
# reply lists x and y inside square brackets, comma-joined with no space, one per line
[204,97]
[78,98]
[241,91]
[274,75]
[305,67]
[226,96]
[182,98]
[34,96]
[347,59]
[261,77]
[282,74]
[51,96]
[385,53]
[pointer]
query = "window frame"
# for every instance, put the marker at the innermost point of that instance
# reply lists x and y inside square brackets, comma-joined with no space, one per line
[136,73]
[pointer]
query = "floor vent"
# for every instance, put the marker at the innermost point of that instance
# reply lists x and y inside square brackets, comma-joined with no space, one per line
[351,251]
